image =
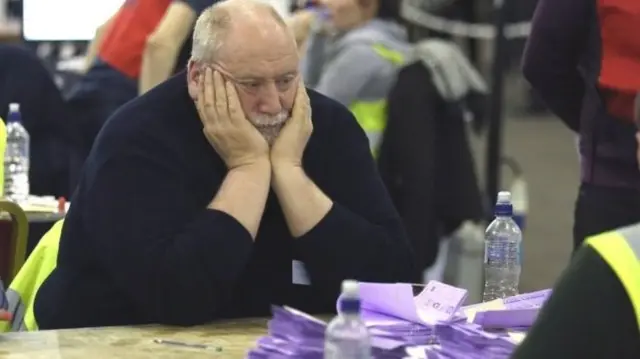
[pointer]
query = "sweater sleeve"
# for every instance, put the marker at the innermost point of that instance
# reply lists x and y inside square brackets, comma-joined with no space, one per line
[589,315]
[559,34]
[176,265]
[361,237]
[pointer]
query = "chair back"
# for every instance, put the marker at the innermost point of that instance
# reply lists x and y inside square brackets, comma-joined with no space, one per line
[13,246]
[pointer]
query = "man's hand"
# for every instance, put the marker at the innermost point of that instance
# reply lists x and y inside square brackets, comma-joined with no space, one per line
[303,204]
[234,138]
[289,146]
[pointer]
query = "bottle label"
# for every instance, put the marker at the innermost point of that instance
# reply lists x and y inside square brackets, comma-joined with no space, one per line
[498,252]
[520,259]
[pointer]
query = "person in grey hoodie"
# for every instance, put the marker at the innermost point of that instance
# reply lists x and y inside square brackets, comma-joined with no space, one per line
[353,54]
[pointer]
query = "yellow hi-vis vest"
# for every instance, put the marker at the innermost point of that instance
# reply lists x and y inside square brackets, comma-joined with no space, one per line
[21,294]
[621,250]
[371,115]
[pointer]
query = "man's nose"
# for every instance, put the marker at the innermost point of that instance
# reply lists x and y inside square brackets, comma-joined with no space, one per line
[270,102]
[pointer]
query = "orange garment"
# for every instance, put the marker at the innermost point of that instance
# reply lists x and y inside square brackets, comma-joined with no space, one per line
[620,60]
[125,39]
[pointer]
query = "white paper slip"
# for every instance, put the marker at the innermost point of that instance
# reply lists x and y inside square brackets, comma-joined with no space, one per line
[299,273]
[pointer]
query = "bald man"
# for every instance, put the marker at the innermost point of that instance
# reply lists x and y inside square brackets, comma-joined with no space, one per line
[225,189]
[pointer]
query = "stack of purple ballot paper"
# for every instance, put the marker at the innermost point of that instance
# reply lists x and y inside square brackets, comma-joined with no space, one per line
[490,333]
[431,324]
[294,334]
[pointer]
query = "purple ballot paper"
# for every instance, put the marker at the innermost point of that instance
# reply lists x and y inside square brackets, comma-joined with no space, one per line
[395,300]
[436,303]
[528,300]
[439,301]
[506,319]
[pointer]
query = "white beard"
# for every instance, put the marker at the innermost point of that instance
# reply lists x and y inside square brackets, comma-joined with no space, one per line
[270,126]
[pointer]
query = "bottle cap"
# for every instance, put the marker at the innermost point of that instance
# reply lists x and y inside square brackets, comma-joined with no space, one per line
[350,298]
[504,197]
[350,289]
[14,107]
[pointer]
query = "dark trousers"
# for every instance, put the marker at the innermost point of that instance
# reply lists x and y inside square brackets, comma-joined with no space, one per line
[600,209]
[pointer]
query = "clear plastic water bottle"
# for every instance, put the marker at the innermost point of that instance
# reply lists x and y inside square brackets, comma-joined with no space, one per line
[502,253]
[347,336]
[16,157]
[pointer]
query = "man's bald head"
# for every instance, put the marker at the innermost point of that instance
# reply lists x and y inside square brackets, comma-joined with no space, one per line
[250,45]
[237,23]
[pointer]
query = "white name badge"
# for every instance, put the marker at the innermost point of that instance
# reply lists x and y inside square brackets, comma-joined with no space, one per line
[299,273]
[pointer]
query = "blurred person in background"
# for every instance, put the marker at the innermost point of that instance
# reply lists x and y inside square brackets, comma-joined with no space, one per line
[583,59]
[143,44]
[353,54]
[594,311]
[25,80]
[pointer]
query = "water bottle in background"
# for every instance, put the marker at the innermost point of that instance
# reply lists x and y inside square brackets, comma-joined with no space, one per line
[16,157]
[347,336]
[502,253]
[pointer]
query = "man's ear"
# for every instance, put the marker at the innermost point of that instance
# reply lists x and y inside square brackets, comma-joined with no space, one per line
[194,74]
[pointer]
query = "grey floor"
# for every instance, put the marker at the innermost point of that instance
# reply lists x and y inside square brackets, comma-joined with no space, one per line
[546,151]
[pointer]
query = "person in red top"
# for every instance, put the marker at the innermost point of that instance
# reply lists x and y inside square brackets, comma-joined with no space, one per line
[583,59]
[137,48]
[140,46]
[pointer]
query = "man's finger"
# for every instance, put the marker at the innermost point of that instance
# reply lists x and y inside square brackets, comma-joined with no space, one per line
[301,101]
[209,93]
[200,95]
[235,108]
[222,108]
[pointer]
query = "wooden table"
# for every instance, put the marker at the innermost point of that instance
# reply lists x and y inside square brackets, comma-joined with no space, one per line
[235,338]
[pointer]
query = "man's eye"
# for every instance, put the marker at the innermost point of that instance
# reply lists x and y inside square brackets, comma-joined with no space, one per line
[284,83]
[252,85]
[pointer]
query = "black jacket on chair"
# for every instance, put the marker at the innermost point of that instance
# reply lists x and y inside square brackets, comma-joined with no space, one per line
[426,162]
